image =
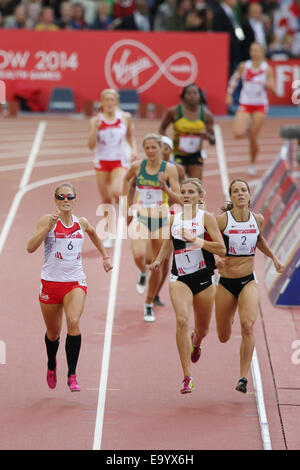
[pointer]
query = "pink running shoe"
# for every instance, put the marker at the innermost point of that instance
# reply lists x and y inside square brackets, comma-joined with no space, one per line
[51,378]
[72,382]
[188,385]
[196,350]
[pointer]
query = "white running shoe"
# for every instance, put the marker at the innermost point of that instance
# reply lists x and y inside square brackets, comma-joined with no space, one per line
[251,170]
[149,313]
[108,242]
[141,283]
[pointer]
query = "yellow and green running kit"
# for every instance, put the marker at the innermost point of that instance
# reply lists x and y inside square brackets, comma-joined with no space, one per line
[150,194]
[187,138]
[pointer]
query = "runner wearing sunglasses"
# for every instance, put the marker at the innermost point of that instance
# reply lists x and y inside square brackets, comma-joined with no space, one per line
[63,283]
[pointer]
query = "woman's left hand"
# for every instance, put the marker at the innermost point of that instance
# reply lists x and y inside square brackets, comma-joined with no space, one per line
[162,179]
[278,266]
[107,266]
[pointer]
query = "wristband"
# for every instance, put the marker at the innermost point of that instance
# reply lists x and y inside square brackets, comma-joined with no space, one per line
[105,257]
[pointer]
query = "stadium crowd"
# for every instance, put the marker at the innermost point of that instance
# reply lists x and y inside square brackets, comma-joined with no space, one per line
[274,23]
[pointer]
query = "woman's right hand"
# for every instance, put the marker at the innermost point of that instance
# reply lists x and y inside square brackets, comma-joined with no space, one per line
[155,265]
[53,219]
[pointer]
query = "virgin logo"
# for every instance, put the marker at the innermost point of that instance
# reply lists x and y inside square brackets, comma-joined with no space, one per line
[132,63]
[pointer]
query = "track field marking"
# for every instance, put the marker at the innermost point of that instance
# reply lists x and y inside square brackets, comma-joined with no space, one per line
[108,331]
[24,180]
[257,382]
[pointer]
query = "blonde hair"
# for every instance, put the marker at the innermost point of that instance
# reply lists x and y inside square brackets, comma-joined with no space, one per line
[110,91]
[69,185]
[199,186]
[155,137]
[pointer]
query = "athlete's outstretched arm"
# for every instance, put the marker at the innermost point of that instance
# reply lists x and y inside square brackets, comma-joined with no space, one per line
[166,121]
[97,242]
[264,247]
[234,79]
[92,137]
[130,138]
[209,124]
[173,191]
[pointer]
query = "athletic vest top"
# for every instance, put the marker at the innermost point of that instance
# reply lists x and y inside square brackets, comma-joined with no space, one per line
[254,85]
[62,262]
[189,258]
[148,187]
[111,139]
[240,238]
[187,140]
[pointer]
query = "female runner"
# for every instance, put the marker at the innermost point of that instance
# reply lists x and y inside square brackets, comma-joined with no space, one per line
[192,122]
[150,177]
[63,284]
[256,75]
[195,236]
[237,286]
[109,133]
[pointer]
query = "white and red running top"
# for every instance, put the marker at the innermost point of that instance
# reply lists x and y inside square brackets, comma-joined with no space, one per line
[111,144]
[62,262]
[240,238]
[254,85]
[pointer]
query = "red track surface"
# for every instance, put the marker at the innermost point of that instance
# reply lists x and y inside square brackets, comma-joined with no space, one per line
[143,409]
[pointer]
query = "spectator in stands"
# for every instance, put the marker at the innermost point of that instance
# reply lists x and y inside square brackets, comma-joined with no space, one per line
[7,7]
[123,8]
[163,13]
[18,21]
[66,15]
[255,29]
[177,22]
[54,4]
[33,11]
[139,20]
[285,30]
[78,21]
[200,18]
[103,19]
[47,20]
[225,20]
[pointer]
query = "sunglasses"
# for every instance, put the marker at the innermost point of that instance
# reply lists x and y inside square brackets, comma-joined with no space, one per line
[62,197]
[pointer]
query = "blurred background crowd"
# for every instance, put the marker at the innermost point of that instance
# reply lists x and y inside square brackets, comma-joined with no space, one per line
[274,23]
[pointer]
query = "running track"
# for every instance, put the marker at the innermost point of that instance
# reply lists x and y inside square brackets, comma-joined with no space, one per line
[143,407]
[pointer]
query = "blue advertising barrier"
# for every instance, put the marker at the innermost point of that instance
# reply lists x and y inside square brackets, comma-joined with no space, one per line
[278,198]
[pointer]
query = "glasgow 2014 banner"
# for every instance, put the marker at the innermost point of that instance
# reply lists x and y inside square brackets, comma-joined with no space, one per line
[157,65]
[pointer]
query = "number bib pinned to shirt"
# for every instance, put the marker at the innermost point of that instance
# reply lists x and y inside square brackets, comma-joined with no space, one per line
[189,143]
[150,196]
[189,260]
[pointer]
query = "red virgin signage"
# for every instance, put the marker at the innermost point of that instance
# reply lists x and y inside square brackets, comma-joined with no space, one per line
[158,65]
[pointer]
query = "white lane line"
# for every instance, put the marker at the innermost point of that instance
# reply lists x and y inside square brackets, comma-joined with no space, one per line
[43,163]
[257,382]
[108,331]
[33,153]
[221,160]
[24,180]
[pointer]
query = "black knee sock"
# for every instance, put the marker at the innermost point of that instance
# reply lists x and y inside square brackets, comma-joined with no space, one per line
[73,344]
[52,347]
